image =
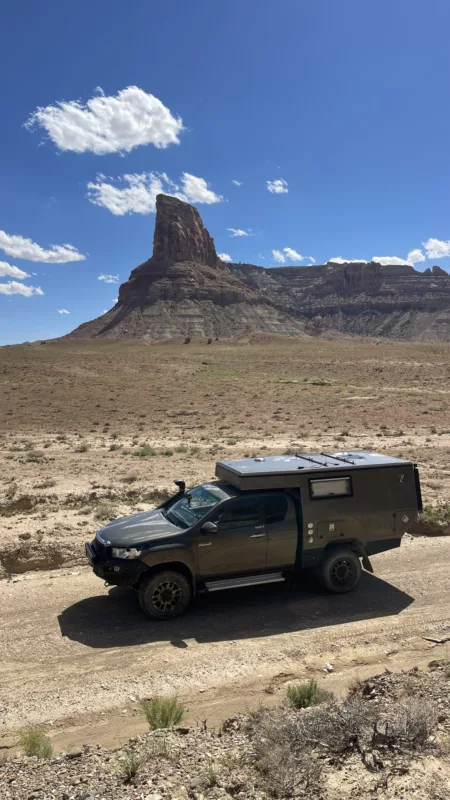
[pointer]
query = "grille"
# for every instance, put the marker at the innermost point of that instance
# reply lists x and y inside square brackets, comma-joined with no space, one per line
[101,550]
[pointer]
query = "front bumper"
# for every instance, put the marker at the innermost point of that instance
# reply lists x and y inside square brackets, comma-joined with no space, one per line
[118,571]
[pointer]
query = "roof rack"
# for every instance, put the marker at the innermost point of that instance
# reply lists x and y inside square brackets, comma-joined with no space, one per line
[313,460]
[338,458]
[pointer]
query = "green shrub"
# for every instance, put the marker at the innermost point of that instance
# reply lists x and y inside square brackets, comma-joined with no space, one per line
[304,695]
[83,448]
[145,451]
[437,515]
[131,762]
[36,743]
[181,448]
[163,712]
[167,452]
[115,446]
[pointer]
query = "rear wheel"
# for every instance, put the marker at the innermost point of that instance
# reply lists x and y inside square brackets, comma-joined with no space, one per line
[165,595]
[340,570]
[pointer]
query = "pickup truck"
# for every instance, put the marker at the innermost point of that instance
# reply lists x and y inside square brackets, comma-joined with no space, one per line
[261,521]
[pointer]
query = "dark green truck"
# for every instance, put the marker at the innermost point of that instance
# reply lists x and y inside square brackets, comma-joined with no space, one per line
[263,520]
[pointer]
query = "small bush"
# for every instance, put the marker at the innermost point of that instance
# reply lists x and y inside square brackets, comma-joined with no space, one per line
[209,341]
[36,743]
[131,763]
[304,695]
[105,511]
[167,452]
[114,447]
[145,451]
[48,483]
[181,448]
[82,448]
[187,340]
[132,478]
[437,515]
[163,712]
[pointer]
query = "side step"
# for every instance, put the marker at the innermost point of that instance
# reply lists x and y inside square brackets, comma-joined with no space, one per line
[250,580]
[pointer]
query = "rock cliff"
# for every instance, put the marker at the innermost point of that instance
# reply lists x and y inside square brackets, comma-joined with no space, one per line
[185,289]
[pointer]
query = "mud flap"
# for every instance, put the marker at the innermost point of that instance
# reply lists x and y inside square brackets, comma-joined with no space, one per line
[366,563]
[360,549]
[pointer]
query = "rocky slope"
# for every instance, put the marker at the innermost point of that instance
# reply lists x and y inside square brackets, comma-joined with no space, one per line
[185,289]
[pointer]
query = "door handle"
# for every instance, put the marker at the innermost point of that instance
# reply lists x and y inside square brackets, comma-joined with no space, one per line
[257,535]
[259,527]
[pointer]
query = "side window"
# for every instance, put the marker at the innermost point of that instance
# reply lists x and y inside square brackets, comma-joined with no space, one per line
[330,487]
[239,513]
[275,507]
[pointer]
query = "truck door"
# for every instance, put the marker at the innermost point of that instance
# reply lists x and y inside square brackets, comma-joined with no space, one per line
[280,517]
[240,543]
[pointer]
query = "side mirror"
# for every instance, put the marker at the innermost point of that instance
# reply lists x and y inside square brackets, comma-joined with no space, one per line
[209,527]
[181,486]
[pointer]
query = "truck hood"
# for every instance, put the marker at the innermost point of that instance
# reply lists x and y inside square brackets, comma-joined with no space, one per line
[137,529]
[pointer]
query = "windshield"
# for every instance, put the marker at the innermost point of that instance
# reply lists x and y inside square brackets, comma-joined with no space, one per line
[193,506]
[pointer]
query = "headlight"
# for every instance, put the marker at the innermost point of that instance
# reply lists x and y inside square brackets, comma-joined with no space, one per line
[126,552]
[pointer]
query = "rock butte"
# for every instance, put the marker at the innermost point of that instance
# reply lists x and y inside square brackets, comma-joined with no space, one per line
[184,289]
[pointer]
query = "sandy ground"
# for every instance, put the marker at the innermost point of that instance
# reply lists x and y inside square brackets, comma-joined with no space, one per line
[74,415]
[77,656]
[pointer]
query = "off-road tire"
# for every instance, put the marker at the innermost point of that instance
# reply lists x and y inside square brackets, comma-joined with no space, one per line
[164,595]
[339,571]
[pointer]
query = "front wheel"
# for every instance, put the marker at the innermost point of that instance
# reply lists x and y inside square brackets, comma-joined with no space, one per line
[340,570]
[165,595]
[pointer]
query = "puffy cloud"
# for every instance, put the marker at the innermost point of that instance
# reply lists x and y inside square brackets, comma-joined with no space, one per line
[195,190]
[339,260]
[13,287]
[278,256]
[436,248]
[238,232]
[391,260]
[18,247]
[108,278]
[137,192]
[62,311]
[8,271]
[225,257]
[108,124]
[115,300]
[414,256]
[278,186]
[237,183]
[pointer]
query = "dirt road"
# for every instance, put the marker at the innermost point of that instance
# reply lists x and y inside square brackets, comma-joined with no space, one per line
[77,656]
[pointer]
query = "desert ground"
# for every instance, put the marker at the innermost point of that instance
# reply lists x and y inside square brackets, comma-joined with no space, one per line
[91,430]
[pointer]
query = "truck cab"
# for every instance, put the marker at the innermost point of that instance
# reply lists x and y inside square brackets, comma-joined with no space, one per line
[262,520]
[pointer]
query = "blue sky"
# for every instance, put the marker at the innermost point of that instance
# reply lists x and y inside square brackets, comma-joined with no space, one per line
[339,106]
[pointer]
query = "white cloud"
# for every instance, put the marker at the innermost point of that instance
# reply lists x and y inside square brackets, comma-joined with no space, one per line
[8,271]
[237,232]
[108,124]
[391,260]
[195,190]
[293,255]
[139,192]
[108,278]
[18,247]
[436,248]
[278,256]
[237,183]
[115,300]
[225,257]
[12,287]
[62,311]
[339,260]
[278,186]
[414,256]
[311,259]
